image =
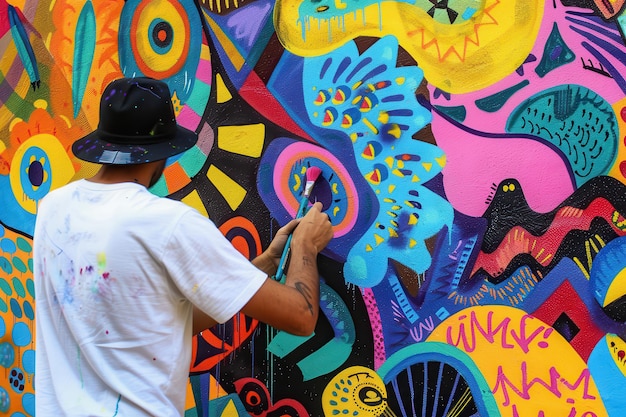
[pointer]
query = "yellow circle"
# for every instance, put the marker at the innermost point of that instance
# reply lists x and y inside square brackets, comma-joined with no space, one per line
[160,62]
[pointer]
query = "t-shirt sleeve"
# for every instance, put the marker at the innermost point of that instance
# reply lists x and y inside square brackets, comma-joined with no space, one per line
[207,268]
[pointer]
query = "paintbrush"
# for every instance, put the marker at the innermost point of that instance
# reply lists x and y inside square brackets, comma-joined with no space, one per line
[311,176]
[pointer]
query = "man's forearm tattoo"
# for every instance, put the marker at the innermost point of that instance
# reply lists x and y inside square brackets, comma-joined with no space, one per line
[306,293]
[303,288]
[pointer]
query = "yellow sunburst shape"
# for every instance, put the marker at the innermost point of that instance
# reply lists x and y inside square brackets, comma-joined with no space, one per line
[457,58]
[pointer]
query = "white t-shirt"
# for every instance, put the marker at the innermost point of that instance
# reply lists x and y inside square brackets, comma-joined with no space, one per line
[116,272]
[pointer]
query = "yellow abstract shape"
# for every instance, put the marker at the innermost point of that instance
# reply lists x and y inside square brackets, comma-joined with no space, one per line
[247,140]
[354,391]
[457,58]
[223,94]
[395,131]
[339,4]
[379,239]
[617,289]
[176,104]
[40,104]
[527,364]
[57,160]
[230,50]
[297,182]
[232,192]
[14,121]
[190,401]
[230,410]
[193,200]
[370,126]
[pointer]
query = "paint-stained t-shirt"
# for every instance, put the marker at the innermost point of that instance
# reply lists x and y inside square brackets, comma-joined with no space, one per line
[116,272]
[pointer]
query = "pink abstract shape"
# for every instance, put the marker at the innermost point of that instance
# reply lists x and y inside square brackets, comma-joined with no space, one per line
[377,326]
[476,162]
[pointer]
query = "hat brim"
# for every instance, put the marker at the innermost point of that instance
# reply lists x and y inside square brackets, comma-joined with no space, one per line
[97,148]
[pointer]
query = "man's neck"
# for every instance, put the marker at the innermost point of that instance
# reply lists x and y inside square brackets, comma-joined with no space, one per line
[113,174]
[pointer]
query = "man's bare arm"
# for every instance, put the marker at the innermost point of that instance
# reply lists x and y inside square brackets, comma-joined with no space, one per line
[294,305]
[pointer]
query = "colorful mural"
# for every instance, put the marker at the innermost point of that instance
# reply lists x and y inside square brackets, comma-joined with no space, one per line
[473,158]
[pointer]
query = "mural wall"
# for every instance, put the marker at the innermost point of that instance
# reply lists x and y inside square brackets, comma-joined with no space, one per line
[473,165]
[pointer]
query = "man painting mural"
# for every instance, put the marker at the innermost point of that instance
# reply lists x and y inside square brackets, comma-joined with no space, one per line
[124,277]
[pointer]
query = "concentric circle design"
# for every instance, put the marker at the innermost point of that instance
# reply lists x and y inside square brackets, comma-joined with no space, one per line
[160,47]
[32,169]
[244,236]
[335,189]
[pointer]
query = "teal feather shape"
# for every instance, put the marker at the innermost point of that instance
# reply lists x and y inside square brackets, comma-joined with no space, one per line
[24,48]
[84,50]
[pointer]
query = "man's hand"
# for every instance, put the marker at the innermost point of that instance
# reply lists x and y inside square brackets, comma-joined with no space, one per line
[317,231]
[314,229]
[275,249]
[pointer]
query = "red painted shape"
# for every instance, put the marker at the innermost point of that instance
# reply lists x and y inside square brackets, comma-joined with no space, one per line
[565,299]
[256,94]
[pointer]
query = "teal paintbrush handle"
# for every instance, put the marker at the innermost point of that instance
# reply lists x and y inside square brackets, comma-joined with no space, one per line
[280,272]
[282,264]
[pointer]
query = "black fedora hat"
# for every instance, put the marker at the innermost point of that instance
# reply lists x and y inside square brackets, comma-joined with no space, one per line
[137,125]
